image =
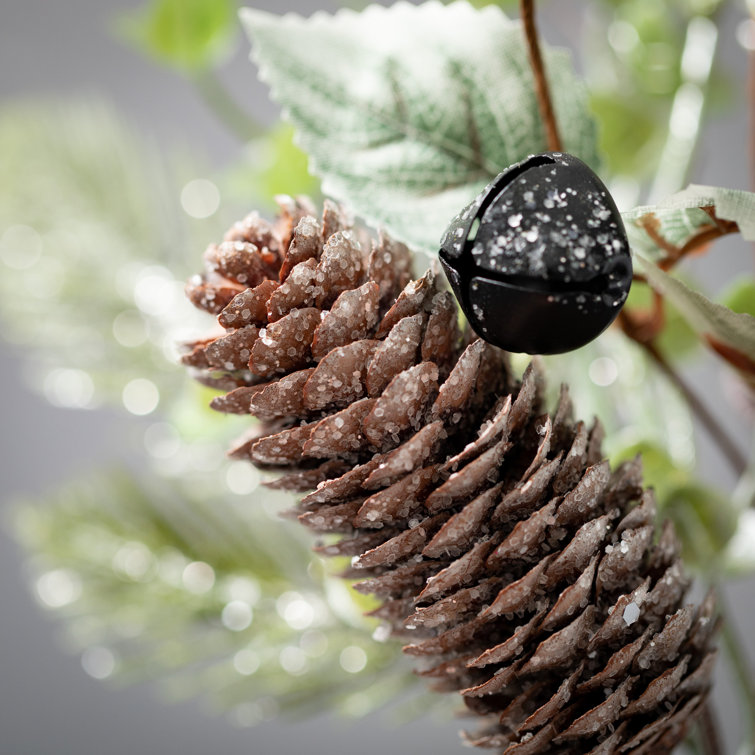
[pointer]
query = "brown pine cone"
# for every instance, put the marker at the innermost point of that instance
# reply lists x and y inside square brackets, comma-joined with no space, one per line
[525,573]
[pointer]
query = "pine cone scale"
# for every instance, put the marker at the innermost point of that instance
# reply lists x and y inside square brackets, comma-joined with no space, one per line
[524,570]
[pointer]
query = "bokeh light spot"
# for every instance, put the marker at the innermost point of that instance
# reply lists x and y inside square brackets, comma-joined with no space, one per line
[353,659]
[134,560]
[98,662]
[237,615]
[156,292]
[69,388]
[130,329]
[58,588]
[314,643]
[198,577]
[295,610]
[20,247]
[246,662]
[293,660]
[242,478]
[140,396]
[200,198]
[603,371]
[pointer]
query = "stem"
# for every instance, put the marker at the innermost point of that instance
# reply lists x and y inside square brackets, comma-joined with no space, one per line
[541,83]
[729,449]
[225,107]
[740,665]
[709,731]
[751,100]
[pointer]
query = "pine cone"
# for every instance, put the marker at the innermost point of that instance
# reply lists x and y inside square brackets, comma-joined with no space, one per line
[523,570]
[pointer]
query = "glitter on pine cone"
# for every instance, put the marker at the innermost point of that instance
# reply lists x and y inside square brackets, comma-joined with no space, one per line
[523,572]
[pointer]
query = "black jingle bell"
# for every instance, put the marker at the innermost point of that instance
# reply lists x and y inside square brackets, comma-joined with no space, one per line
[540,260]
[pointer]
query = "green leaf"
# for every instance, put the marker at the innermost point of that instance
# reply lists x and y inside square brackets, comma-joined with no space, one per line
[205,593]
[740,297]
[185,34]
[679,218]
[740,554]
[408,112]
[626,133]
[705,523]
[717,324]
[272,165]
[677,339]
[659,471]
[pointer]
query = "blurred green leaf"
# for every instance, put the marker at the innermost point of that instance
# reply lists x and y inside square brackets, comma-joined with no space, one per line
[626,133]
[185,34]
[94,227]
[740,296]
[408,112]
[677,340]
[659,471]
[272,165]
[716,323]
[740,554]
[206,593]
[705,520]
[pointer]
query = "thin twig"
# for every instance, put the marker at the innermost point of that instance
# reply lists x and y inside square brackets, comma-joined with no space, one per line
[541,83]
[730,450]
[709,731]
[740,666]
[751,102]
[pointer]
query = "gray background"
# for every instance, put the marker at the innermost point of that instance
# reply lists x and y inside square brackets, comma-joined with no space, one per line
[47,704]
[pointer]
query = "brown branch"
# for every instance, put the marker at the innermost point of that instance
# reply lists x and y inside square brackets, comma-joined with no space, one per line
[643,330]
[709,730]
[644,326]
[704,236]
[728,447]
[541,83]
[651,225]
[733,356]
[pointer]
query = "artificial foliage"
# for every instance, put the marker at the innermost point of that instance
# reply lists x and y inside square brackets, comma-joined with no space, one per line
[176,582]
[373,400]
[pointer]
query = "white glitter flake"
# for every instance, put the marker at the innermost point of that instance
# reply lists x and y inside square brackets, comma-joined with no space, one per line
[631,614]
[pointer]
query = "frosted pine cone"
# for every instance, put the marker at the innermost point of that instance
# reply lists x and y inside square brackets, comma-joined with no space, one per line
[524,572]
